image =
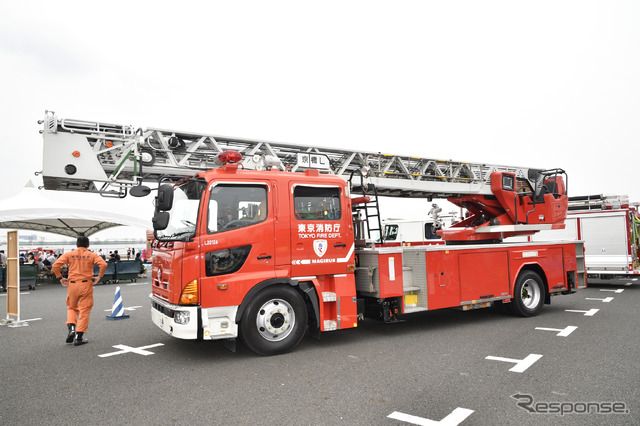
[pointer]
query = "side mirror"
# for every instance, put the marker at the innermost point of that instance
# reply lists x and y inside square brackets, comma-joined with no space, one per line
[164,200]
[140,191]
[160,221]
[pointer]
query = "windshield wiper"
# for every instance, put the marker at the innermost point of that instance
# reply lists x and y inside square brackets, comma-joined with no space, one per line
[180,236]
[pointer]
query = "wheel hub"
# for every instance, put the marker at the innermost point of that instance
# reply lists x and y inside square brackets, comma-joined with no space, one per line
[531,294]
[275,320]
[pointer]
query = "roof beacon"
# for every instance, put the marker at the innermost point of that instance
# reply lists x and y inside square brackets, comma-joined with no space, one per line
[229,157]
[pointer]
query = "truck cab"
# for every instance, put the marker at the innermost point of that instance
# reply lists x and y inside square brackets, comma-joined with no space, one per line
[227,236]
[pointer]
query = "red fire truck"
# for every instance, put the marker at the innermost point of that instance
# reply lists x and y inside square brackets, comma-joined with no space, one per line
[274,243]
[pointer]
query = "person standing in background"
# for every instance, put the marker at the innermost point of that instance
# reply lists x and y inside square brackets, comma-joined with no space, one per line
[79,285]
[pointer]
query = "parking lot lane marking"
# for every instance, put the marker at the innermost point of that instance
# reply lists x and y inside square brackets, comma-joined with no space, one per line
[130,308]
[521,364]
[126,349]
[618,291]
[562,332]
[456,417]
[589,313]
[21,293]
[605,300]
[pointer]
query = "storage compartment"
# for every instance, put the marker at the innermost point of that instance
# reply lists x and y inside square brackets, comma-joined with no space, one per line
[380,273]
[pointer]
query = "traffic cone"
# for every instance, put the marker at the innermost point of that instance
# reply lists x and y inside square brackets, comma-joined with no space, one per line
[117,311]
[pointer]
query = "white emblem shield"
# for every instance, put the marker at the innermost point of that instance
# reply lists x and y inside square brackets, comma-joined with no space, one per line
[320,247]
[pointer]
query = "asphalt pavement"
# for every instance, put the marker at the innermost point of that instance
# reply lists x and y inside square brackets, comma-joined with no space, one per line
[574,364]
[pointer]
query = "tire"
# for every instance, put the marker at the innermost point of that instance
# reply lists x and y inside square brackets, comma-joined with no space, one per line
[275,321]
[528,295]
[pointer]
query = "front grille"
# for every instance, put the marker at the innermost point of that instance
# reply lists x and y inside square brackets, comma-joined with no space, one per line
[162,309]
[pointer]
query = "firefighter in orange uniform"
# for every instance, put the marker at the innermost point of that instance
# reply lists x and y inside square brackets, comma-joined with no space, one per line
[79,285]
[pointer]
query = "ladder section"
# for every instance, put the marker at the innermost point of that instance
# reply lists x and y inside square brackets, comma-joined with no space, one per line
[79,153]
[598,202]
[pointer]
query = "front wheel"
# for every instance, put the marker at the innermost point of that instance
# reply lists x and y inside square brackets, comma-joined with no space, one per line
[275,321]
[528,295]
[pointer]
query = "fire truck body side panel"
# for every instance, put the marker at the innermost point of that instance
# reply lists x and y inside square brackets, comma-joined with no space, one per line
[456,276]
[478,281]
[380,273]
[443,279]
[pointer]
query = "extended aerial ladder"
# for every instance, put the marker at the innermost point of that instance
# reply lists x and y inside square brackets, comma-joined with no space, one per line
[503,200]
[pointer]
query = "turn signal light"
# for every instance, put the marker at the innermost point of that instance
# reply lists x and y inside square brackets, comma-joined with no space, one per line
[189,295]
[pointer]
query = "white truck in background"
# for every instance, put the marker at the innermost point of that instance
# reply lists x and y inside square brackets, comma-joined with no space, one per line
[609,225]
[404,232]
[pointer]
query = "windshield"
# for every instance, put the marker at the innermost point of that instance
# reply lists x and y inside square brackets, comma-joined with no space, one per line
[183,215]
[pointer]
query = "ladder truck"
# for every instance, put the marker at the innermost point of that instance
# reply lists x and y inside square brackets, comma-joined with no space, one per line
[268,242]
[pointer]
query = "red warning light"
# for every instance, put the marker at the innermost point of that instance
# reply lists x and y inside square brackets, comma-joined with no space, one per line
[229,157]
[76,154]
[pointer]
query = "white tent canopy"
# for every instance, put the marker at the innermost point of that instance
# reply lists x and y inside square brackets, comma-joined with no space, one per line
[30,210]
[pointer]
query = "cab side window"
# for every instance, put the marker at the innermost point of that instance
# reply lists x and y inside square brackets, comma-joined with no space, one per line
[430,232]
[390,232]
[316,203]
[236,206]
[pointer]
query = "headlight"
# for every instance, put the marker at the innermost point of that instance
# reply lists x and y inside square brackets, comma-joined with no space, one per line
[181,317]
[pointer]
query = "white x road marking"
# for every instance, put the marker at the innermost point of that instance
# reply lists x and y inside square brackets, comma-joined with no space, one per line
[589,313]
[521,364]
[605,300]
[455,418]
[21,293]
[126,349]
[562,332]
[130,308]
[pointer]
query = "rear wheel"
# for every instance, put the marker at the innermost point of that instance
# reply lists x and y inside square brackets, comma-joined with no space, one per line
[275,321]
[528,295]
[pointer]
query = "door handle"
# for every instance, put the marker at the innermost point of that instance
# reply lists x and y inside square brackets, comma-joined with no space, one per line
[264,257]
[339,245]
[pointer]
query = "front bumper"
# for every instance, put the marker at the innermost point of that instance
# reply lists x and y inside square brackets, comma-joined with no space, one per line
[184,322]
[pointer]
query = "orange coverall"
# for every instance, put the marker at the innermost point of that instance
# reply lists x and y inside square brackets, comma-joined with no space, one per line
[80,287]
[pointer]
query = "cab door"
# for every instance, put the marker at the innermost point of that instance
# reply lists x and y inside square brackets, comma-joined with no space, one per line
[321,232]
[237,243]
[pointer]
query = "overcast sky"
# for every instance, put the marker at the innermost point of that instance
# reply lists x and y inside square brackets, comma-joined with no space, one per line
[536,84]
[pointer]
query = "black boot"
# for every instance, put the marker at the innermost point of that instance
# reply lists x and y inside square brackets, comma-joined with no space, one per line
[72,333]
[80,340]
